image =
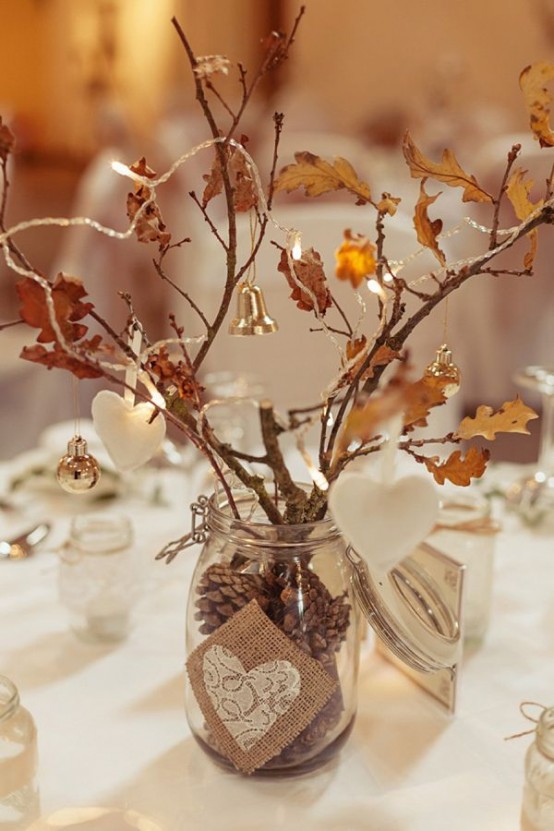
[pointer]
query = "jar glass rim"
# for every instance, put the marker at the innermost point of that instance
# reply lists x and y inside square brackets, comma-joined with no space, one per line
[254,525]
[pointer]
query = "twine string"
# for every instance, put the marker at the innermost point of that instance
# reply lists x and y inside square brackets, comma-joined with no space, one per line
[529,717]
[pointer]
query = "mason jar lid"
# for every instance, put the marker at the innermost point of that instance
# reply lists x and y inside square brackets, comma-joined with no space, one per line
[408,609]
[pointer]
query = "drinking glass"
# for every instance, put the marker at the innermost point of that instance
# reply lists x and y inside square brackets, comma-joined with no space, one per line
[533,495]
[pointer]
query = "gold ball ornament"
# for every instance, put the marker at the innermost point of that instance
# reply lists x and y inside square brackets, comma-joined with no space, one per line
[78,471]
[444,369]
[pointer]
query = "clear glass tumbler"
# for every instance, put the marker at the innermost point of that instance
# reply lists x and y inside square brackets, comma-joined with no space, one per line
[19,797]
[98,577]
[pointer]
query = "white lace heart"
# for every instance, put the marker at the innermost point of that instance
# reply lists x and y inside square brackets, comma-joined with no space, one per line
[383,523]
[248,703]
[125,430]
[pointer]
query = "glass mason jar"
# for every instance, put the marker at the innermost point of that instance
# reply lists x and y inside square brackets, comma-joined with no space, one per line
[272,642]
[537,812]
[466,532]
[19,798]
[98,579]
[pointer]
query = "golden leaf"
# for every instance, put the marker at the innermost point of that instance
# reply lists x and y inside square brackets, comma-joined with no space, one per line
[354,347]
[427,229]
[537,98]
[447,170]
[517,191]
[512,417]
[384,356]
[363,420]
[355,259]
[388,204]
[456,469]
[318,176]
[421,397]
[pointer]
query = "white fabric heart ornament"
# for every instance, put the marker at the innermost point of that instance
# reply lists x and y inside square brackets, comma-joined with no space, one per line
[125,429]
[383,522]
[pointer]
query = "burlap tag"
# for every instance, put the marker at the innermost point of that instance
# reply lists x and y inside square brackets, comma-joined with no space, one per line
[256,688]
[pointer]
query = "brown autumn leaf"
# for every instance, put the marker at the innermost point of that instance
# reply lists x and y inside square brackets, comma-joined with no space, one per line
[537,99]
[512,417]
[7,141]
[59,358]
[447,171]
[420,398]
[457,469]
[317,176]
[245,195]
[363,420]
[355,259]
[67,296]
[309,272]
[517,191]
[177,374]
[427,229]
[383,357]
[150,226]
[388,204]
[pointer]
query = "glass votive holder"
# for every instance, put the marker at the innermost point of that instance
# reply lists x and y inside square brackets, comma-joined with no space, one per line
[98,576]
[466,532]
[19,797]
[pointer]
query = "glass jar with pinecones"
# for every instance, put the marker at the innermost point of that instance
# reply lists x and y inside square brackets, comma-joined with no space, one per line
[273,642]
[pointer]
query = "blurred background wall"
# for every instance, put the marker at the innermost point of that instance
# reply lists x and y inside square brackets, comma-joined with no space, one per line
[83,79]
[353,59]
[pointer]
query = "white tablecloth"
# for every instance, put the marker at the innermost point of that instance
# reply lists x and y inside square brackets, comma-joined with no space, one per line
[112,730]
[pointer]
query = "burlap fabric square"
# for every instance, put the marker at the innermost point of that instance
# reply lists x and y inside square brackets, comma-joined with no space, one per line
[256,688]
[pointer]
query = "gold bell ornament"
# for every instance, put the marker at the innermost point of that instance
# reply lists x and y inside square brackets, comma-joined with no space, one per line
[252,317]
[78,471]
[444,369]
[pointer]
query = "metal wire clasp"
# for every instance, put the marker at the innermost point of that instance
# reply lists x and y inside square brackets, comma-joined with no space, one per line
[197,534]
[199,509]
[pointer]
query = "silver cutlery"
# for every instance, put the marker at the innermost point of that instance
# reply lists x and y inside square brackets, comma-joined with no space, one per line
[22,545]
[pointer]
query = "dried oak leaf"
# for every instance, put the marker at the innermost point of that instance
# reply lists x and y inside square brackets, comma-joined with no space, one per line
[537,99]
[245,195]
[59,358]
[388,204]
[67,296]
[457,469]
[447,171]
[517,191]
[363,420]
[383,357]
[318,176]
[309,272]
[420,398]
[174,373]
[427,229]
[355,259]
[150,226]
[7,141]
[512,417]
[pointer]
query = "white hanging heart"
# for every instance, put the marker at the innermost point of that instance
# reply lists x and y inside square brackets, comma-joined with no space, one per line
[125,429]
[249,703]
[383,523]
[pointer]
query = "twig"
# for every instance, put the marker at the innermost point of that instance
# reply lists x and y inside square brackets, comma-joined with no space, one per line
[512,156]
[182,292]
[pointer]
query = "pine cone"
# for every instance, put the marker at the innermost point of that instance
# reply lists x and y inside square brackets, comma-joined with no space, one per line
[223,592]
